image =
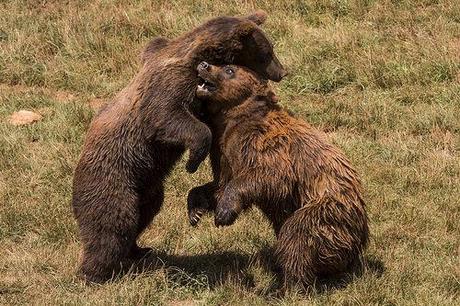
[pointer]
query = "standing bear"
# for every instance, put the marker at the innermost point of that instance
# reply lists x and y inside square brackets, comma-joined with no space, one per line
[304,185]
[134,141]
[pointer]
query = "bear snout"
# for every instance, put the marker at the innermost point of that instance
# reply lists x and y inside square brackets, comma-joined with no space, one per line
[203,66]
[284,73]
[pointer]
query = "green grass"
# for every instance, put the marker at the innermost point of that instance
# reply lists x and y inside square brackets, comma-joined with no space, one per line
[381,77]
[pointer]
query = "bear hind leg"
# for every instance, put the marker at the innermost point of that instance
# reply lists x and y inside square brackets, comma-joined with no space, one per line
[150,204]
[106,258]
[295,254]
[108,233]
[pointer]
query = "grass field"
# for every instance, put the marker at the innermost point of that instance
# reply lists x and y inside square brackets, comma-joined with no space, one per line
[382,78]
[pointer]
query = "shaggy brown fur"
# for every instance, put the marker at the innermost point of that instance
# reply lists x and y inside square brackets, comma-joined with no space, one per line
[304,185]
[133,143]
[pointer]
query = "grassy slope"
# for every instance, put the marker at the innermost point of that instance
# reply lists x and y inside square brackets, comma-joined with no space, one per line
[382,77]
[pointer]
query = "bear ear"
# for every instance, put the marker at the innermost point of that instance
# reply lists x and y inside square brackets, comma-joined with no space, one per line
[244,29]
[267,95]
[152,47]
[272,97]
[258,17]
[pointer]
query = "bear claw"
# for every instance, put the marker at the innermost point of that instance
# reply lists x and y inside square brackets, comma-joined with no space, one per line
[195,216]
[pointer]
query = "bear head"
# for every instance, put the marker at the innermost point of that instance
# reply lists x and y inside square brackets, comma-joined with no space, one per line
[227,86]
[239,41]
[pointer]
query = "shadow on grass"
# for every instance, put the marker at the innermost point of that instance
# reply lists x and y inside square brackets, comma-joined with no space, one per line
[214,270]
[370,265]
[209,270]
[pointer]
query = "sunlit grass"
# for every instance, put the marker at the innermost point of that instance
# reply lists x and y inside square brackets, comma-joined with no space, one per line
[381,77]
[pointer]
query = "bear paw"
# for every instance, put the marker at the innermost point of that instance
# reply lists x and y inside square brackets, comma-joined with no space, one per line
[192,165]
[194,215]
[197,204]
[138,253]
[225,217]
[199,150]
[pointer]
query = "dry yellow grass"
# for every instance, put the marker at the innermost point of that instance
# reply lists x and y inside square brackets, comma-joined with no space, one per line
[382,77]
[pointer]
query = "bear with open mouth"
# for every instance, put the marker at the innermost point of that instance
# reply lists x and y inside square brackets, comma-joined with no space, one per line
[135,140]
[303,184]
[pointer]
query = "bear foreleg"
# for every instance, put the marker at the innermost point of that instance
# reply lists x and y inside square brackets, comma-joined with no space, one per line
[233,200]
[183,128]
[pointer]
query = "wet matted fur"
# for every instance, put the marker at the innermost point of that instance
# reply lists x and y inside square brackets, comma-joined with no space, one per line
[303,184]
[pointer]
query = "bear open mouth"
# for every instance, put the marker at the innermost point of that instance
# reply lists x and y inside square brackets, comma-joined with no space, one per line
[206,85]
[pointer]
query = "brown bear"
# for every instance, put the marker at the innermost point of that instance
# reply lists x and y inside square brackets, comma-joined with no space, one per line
[304,185]
[135,140]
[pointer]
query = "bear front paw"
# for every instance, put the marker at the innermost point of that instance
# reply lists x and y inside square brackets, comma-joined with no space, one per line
[192,165]
[198,155]
[194,215]
[224,217]
[197,204]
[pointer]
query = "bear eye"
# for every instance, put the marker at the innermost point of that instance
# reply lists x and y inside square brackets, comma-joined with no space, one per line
[229,71]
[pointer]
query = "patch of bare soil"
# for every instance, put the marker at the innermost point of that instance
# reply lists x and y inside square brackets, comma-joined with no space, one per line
[24,117]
